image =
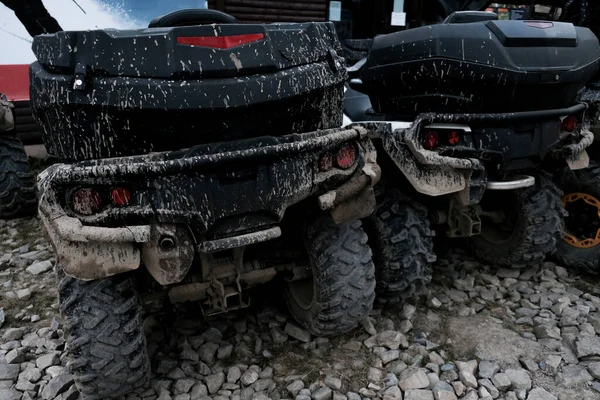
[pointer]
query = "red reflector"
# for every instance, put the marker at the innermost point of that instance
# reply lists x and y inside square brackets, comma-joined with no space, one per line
[453,138]
[121,196]
[539,24]
[430,140]
[569,124]
[346,157]
[86,201]
[326,162]
[220,42]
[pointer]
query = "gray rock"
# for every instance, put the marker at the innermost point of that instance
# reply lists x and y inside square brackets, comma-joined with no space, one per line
[31,375]
[418,395]
[225,350]
[278,335]
[468,366]
[198,391]
[249,377]
[544,331]
[213,335]
[587,346]
[471,395]
[297,332]
[390,380]
[443,391]
[233,374]
[467,379]
[389,356]
[459,388]
[594,369]
[266,373]
[492,390]
[333,382]
[182,386]
[519,379]
[262,384]
[529,364]
[47,360]
[1,316]
[9,372]
[56,386]
[501,381]
[214,382]
[39,267]
[375,375]
[55,371]
[353,396]
[186,396]
[323,393]
[407,312]
[207,352]
[540,394]
[295,387]
[15,356]
[413,378]
[13,334]
[393,340]
[508,273]
[392,392]
[10,394]
[23,294]
[303,397]
[574,375]
[187,353]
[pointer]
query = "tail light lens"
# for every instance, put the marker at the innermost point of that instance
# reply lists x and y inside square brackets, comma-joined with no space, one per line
[346,157]
[326,162]
[121,196]
[453,138]
[220,42]
[86,201]
[430,140]
[569,124]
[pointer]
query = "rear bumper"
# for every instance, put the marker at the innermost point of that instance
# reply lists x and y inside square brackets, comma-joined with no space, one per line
[446,171]
[224,199]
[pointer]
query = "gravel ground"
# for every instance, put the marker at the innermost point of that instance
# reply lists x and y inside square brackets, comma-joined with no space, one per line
[480,333]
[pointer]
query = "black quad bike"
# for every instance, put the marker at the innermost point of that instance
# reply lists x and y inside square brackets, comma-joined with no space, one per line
[474,115]
[198,161]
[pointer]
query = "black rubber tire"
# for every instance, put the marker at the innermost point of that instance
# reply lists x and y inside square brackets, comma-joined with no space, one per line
[402,242]
[343,283]
[539,227]
[106,345]
[583,181]
[17,184]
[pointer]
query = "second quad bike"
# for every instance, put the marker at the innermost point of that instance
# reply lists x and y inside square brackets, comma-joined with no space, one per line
[200,158]
[474,115]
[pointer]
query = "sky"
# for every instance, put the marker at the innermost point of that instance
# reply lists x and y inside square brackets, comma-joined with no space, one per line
[15,42]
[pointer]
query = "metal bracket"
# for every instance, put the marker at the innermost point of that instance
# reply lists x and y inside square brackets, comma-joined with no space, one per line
[463,221]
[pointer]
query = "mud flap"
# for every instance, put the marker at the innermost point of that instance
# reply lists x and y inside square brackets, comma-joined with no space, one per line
[579,160]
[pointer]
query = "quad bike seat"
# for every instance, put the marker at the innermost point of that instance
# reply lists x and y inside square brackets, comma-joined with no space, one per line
[192,17]
[182,83]
[466,17]
[488,66]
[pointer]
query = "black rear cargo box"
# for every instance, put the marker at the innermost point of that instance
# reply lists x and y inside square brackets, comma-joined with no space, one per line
[493,66]
[108,93]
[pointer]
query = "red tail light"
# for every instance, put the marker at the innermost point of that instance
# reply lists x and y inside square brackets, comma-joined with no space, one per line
[326,162]
[569,124]
[346,157]
[220,42]
[86,201]
[430,140]
[121,196]
[453,138]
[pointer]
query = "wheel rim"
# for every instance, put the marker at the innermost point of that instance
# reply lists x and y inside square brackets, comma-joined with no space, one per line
[303,293]
[582,226]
